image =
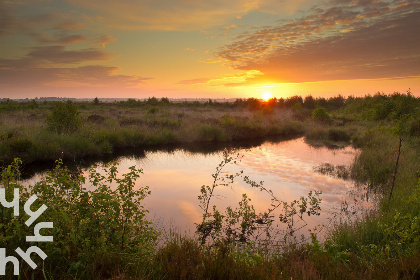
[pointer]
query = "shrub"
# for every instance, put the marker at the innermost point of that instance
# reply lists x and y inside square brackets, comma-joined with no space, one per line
[320,114]
[286,129]
[164,123]
[152,101]
[64,118]
[152,110]
[297,107]
[227,120]
[415,128]
[335,134]
[382,110]
[248,130]
[210,133]
[21,145]
[96,119]
[106,222]
[130,103]
[316,134]
[241,225]
[131,121]
[32,105]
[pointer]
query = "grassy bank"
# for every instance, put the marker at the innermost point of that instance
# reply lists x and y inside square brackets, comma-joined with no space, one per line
[103,234]
[45,131]
[103,129]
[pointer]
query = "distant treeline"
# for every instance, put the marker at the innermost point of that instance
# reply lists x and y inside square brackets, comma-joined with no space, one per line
[378,106]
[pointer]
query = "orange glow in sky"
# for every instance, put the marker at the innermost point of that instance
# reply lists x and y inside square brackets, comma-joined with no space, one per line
[208,49]
[267,95]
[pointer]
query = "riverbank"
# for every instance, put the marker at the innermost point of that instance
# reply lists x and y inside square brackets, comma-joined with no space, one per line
[109,128]
[38,133]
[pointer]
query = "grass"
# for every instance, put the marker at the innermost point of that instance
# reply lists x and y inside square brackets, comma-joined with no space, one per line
[110,127]
[383,244]
[318,135]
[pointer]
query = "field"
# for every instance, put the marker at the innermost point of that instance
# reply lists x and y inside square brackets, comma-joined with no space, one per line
[103,234]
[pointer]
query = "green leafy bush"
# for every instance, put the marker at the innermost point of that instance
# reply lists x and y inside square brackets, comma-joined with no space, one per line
[402,232]
[95,220]
[242,224]
[64,118]
[152,110]
[320,114]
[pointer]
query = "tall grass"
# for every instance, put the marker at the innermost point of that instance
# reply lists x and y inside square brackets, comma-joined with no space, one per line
[104,129]
[391,232]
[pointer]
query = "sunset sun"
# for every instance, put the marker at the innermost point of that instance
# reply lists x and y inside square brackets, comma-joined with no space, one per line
[266,96]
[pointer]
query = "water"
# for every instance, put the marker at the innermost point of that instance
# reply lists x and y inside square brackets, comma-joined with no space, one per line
[287,168]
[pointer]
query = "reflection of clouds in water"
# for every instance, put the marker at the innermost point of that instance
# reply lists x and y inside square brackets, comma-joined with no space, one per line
[290,165]
[175,180]
[172,190]
[294,152]
[286,168]
[190,210]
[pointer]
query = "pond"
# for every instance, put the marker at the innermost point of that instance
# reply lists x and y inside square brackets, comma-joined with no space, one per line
[286,167]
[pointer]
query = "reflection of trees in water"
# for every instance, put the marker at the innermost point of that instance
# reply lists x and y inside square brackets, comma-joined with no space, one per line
[363,195]
[337,171]
[31,169]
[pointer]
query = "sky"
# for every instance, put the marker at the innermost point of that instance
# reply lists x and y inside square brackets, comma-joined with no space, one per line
[208,49]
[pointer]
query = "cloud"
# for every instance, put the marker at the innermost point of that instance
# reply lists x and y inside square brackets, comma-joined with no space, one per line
[45,28]
[53,67]
[103,40]
[69,26]
[162,14]
[194,81]
[49,55]
[7,19]
[62,39]
[360,39]
[49,62]
[231,26]
[97,75]
[183,15]
[56,29]
[86,76]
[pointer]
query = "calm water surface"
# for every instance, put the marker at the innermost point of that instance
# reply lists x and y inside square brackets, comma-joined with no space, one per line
[287,168]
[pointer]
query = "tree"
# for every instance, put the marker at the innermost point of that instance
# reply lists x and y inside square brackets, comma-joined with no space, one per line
[309,102]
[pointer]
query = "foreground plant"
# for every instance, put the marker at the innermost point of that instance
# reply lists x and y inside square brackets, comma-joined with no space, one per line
[98,222]
[243,224]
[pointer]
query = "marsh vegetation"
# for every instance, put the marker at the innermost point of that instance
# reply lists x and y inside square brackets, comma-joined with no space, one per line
[103,233]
